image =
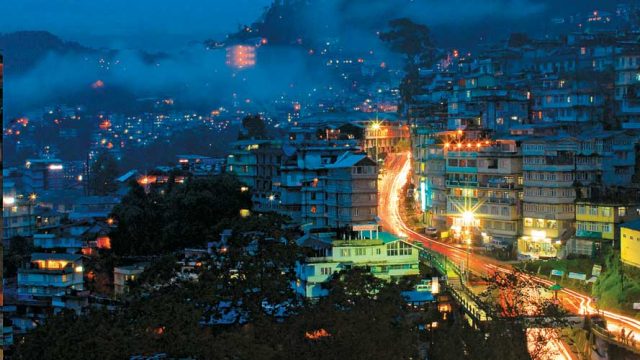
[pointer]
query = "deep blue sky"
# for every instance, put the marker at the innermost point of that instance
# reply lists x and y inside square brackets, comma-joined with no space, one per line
[130,23]
[167,24]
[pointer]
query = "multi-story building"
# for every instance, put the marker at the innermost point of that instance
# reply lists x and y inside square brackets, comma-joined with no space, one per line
[199,165]
[302,183]
[549,171]
[557,99]
[627,86]
[385,255]
[598,224]
[630,243]
[461,182]
[123,275]
[18,212]
[53,242]
[500,186]
[49,275]
[429,175]
[383,137]
[479,102]
[352,191]
[44,174]
[256,163]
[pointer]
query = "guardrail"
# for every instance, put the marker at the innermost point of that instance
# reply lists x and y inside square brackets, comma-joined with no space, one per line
[606,335]
[470,302]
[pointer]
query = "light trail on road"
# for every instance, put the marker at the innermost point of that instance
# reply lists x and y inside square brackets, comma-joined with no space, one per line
[390,189]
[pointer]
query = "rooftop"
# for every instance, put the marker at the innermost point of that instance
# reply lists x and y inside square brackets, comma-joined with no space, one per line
[55,256]
[633,225]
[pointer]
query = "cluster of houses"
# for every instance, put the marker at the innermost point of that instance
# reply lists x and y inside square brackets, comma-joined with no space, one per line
[531,143]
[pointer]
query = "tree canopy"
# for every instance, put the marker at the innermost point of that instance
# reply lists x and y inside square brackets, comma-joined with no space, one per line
[102,174]
[166,218]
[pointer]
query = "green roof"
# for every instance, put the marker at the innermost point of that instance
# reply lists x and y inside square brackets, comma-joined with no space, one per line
[382,238]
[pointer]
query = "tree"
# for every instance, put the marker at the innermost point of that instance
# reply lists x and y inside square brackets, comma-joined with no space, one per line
[414,42]
[140,219]
[361,318]
[20,248]
[103,174]
[253,127]
[521,304]
[175,216]
[195,207]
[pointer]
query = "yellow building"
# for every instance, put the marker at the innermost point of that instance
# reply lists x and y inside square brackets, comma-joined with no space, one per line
[630,243]
[597,225]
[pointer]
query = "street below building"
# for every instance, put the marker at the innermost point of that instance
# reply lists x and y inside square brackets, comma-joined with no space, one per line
[397,170]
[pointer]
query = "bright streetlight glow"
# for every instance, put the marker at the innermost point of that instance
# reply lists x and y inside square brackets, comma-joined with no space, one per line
[468,217]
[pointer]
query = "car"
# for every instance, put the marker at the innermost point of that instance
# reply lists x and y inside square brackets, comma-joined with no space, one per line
[431,231]
[499,244]
[525,257]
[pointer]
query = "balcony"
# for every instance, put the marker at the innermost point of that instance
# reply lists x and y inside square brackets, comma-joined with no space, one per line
[499,185]
[555,167]
[497,200]
[462,183]
[549,199]
[549,183]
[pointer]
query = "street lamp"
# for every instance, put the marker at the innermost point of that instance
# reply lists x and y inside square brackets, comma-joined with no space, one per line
[468,253]
[468,219]
[272,197]
[375,126]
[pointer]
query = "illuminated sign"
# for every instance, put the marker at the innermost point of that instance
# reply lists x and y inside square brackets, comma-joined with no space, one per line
[538,235]
[557,272]
[55,167]
[365,227]
[577,276]
[423,195]
[435,285]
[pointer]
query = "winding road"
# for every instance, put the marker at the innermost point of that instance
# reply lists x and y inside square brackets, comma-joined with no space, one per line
[394,178]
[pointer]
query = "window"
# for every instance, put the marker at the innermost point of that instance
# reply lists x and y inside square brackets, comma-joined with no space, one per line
[378,251]
[361,251]
[345,252]
[399,248]
[325,271]
[622,211]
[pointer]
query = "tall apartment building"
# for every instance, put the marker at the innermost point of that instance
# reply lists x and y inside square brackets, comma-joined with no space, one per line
[328,187]
[44,174]
[500,186]
[598,223]
[461,182]
[429,175]
[302,182]
[352,191]
[627,87]
[556,98]
[382,138]
[549,171]
[18,212]
[256,163]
